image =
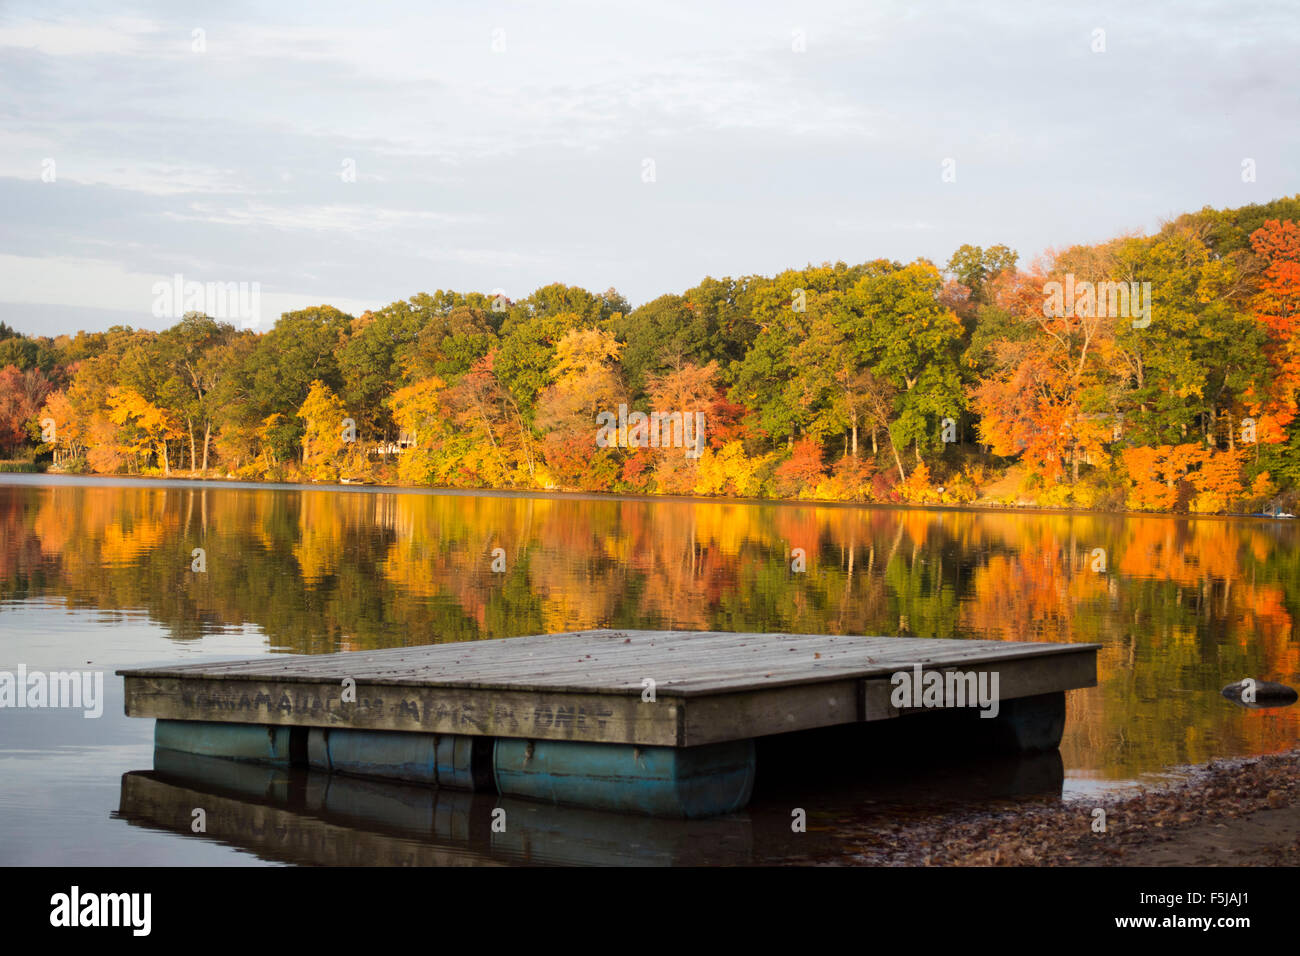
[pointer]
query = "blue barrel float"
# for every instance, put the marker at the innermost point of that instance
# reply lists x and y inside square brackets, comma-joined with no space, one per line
[689,782]
[256,742]
[445,760]
[660,781]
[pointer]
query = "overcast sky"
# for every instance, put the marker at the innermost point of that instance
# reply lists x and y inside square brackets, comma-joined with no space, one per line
[505,146]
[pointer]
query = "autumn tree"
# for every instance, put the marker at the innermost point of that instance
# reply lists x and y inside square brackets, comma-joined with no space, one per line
[144,428]
[326,436]
[584,382]
[21,396]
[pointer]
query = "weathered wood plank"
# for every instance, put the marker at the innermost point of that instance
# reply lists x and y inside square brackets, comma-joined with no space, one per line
[757,713]
[439,710]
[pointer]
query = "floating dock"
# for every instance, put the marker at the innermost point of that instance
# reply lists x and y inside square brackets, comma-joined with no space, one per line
[655,722]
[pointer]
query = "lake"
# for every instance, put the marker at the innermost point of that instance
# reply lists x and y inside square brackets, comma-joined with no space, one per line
[96,574]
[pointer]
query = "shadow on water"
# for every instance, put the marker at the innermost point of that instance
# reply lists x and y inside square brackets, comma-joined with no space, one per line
[308,817]
[884,775]
[923,760]
[866,775]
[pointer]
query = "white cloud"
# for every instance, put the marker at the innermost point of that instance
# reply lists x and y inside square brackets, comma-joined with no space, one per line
[119,36]
[339,217]
[156,179]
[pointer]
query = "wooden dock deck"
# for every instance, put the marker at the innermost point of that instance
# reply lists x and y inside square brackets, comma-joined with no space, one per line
[699,697]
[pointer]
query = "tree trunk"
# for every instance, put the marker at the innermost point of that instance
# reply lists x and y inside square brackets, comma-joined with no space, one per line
[207,434]
[897,458]
[193,457]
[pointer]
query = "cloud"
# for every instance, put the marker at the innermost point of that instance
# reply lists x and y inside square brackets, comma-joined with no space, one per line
[350,218]
[66,36]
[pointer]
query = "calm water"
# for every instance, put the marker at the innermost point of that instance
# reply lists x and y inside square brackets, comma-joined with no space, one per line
[95,575]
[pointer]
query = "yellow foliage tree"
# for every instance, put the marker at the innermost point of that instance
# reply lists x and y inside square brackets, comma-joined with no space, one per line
[729,471]
[144,428]
[325,438]
[417,412]
[67,439]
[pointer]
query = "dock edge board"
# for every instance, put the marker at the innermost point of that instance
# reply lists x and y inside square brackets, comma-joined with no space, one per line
[592,717]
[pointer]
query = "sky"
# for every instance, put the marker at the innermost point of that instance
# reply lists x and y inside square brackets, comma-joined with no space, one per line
[356,154]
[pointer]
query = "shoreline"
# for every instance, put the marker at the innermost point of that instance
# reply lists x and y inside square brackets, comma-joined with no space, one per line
[1238,812]
[35,477]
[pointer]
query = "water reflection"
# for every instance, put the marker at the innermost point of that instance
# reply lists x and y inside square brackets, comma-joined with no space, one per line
[307,817]
[1182,607]
[303,816]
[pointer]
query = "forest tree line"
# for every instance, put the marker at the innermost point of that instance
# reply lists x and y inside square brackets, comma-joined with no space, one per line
[883,381]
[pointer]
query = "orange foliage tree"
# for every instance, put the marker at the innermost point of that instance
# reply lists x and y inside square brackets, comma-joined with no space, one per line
[1277,307]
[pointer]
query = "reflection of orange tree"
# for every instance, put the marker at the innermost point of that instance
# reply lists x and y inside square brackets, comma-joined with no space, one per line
[439,563]
[1200,612]
[21,556]
[1174,589]
[683,558]
[574,581]
[1213,563]
[711,566]
[96,542]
